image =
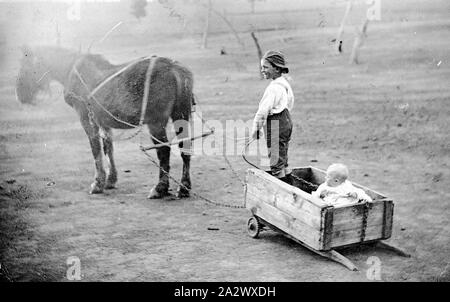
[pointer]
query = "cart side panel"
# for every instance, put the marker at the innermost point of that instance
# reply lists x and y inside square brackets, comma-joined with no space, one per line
[284,207]
[284,202]
[285,197]
[284,222]
[359,223]
[351,217]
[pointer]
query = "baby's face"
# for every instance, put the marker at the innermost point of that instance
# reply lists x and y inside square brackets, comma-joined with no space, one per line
[333,179]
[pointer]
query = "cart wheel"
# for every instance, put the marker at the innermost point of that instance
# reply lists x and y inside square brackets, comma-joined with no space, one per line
[253,227]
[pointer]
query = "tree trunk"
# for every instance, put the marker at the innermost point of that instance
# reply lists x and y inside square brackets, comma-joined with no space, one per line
[229,25]
[58,36]
[258,48]
[359,39]
[206,28]
[338,42]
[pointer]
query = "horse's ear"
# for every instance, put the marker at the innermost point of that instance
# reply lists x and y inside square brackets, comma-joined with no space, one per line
[27,51]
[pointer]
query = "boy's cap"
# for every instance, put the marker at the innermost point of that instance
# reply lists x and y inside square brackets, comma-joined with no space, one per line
[276,58]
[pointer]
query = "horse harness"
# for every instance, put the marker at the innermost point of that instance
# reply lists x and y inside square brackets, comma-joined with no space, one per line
[91,94]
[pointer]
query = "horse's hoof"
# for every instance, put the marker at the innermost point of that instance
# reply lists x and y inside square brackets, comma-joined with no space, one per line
[111,182]
[155,194]
[109,185]
[96,189]
[183,192]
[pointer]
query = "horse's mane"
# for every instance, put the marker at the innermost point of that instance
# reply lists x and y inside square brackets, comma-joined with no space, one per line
[59,54]
[100,61]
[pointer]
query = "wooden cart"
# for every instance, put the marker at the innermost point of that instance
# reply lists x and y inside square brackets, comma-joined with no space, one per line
[293,211]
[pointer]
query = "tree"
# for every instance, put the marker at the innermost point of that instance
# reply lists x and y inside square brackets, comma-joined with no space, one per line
[206,28]
[138,8]
[338,40]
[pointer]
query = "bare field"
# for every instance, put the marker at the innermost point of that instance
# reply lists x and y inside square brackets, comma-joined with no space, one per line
[386,118]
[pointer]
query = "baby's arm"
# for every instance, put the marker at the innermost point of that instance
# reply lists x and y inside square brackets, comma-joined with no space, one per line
[361,195]
[352,195]
[320,192]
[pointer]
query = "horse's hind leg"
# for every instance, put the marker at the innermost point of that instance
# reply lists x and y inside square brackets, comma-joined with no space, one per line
[182,131]
[108,149]
[93,134]
[159,136]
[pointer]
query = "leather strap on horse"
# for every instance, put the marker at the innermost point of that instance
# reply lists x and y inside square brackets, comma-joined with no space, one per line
[148,77]
[105,81]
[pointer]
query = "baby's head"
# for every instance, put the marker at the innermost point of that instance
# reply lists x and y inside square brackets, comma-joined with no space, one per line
[336,175]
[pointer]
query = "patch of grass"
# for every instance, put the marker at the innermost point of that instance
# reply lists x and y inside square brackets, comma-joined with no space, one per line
[14,228]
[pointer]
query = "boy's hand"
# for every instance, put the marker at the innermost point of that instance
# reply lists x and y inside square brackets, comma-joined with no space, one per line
[255,135]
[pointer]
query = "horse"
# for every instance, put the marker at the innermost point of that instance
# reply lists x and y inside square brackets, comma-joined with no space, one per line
[149,91]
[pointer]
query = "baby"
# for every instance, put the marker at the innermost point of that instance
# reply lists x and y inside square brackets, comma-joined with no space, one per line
[337,190]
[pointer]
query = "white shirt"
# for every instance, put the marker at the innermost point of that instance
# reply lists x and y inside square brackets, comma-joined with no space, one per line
[339,195]
[277,97]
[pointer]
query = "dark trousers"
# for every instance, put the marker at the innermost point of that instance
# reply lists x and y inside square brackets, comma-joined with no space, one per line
[278,130]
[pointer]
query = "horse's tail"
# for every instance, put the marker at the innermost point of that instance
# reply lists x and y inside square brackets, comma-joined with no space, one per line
[181,113]
[185,96]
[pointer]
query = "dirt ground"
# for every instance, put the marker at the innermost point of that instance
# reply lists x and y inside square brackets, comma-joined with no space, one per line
[386,118]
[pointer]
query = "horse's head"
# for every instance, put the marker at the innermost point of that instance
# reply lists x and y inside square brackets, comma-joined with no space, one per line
[31,78]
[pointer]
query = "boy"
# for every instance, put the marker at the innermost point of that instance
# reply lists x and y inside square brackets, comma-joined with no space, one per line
[274,113]
[337,190]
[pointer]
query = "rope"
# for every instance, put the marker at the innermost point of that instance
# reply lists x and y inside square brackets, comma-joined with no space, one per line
[234,171]
[116,138]
[91,96]
[98,103]
[206,124]
[104,82]
[43,76]
[148,77]
[244,151]
[224,156]
[216,203]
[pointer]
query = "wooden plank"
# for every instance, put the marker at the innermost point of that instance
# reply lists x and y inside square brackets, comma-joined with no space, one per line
[318,175]
[332,255]
[285,222]
[327,227]
[270,185]
[394,249]
[276,183]
[282,203]
[350,217]
[335,256]
[346,237]
[388,218]
[373,218]
[289,202]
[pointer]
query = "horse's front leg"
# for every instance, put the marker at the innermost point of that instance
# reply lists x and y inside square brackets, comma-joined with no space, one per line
[162,188]
[108,149]
[92,131]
